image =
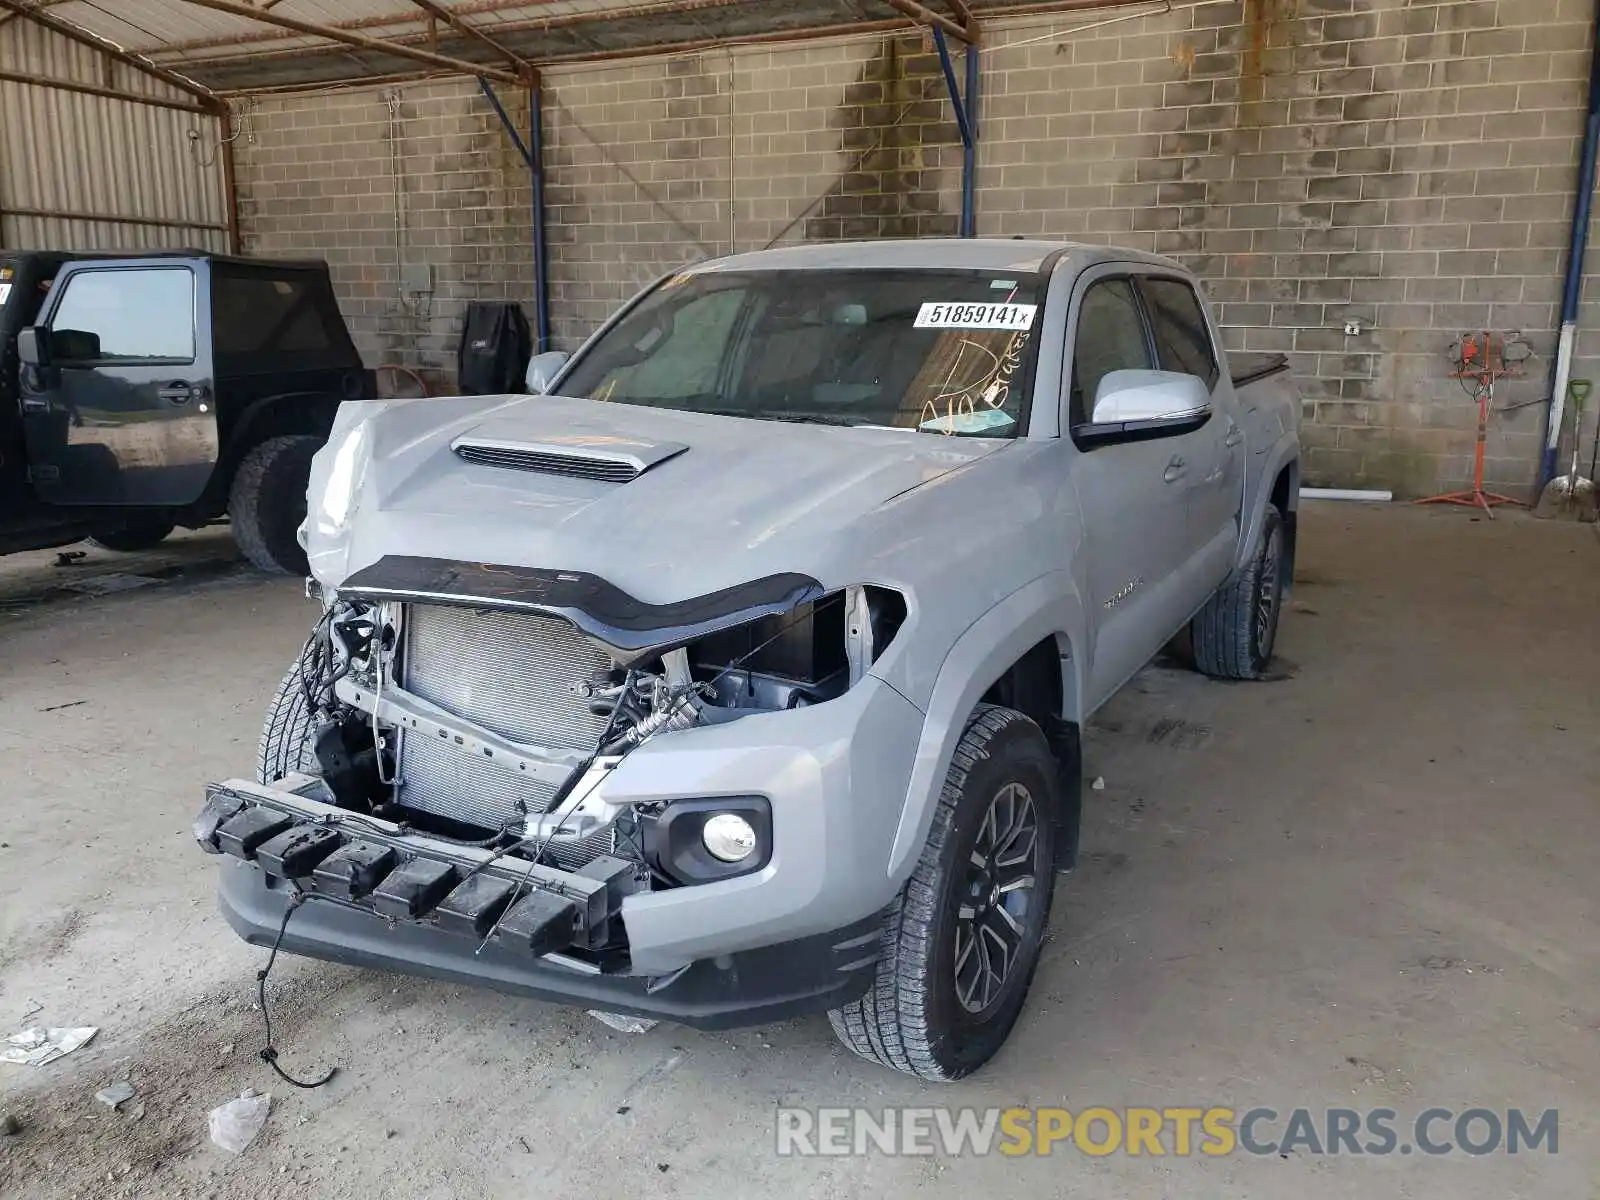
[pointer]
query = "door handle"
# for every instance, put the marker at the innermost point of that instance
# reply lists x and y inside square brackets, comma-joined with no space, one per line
[1235,436]
[177,393]
[35,404]
[1176,470]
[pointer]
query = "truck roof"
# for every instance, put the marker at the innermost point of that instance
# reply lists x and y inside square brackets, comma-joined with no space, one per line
[61,256]
[927,254]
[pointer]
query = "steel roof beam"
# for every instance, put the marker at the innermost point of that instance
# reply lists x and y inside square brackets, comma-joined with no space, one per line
[112,51]
[359,41]
[460,25]
[924,15]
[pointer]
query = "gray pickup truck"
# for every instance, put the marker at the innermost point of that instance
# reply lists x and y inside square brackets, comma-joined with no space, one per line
[741,674]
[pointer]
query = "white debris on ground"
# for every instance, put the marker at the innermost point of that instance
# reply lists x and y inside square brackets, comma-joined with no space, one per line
[117,1094]
[1099,783]
[623,1024]
[234,1125]
[37,1046]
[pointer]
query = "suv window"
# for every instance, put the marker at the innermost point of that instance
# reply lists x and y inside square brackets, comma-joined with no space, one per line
[1111,337]
[145,314]
[255,313]
[1179,324]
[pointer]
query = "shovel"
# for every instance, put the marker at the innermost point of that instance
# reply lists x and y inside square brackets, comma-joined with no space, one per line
[1571,496]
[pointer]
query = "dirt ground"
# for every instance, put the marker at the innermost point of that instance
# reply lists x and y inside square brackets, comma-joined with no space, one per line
[1370,882]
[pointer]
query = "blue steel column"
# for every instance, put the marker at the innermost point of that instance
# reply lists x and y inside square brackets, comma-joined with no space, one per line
[969,151]
[534,156]
[541,243]
[966,122]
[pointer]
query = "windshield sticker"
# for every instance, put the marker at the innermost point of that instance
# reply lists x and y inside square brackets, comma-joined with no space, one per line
[968,422]
[996,285]
[5,292]
[934,315]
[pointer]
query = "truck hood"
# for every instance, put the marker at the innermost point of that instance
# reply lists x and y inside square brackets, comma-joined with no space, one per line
[716,501]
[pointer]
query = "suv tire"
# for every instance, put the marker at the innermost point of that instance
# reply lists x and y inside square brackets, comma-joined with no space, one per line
[936,1008]
[286,743]
[267,502]
[131,538]
[1234,633]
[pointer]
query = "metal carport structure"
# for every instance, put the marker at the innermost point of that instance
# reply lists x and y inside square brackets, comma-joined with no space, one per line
[211,50]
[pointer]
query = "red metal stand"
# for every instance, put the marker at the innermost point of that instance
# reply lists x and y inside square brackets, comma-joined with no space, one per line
[1482,359]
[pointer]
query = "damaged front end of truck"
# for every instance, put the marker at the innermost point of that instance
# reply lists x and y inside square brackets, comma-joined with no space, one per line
[445,744]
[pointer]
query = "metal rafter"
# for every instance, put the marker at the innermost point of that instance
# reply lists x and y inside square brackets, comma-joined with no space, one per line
[89,89]
[95,42]
[924,15]
[434,9]
[350,38]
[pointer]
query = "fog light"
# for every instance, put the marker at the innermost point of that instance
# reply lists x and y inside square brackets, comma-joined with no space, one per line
[729,837]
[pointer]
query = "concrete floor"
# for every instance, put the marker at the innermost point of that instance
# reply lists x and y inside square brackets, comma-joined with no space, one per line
[1372,882]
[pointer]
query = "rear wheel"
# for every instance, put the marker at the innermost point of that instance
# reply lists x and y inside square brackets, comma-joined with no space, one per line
[1235,632]
[267,502]
[130,538]
[960,943]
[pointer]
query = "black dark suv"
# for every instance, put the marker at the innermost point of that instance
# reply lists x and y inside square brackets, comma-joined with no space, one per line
[139,394]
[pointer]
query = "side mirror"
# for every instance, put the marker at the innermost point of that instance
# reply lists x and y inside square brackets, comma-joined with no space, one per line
[1124,396]
[543,369]
[30,347]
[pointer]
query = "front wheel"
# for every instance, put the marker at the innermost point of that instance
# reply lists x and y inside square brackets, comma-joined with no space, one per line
[267,502]
[1235,632]
[286,744]
[960,943]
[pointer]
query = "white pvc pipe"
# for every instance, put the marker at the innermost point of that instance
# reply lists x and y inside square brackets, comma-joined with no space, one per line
[1378,497]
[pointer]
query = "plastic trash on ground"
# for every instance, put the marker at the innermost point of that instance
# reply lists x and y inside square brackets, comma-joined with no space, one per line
[234,1125]
[37,1046]
[623,1024]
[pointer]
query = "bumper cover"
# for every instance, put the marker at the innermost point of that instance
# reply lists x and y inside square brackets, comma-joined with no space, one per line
[752,987]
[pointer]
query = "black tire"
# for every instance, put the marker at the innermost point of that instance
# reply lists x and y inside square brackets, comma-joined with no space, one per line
[286,745]
[1234,634]
[916,1017]
[267,502]
[131,538]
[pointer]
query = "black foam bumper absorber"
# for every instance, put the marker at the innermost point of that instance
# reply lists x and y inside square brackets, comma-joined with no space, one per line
[242,834]
[352,871]
[415,889]
[540,922]
[474,905]
[295,853]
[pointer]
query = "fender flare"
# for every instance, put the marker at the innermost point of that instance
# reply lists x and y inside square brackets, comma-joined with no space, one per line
[1285,452]
[1050,606]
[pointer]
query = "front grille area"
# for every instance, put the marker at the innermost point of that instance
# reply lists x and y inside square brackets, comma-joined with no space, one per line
[513,673]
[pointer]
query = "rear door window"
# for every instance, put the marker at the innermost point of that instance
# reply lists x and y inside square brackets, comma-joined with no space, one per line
[256,313]
[1179,324]
[1111,337]
[140,315]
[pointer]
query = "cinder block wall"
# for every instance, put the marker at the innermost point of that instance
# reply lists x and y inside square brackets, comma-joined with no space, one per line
[1406,166]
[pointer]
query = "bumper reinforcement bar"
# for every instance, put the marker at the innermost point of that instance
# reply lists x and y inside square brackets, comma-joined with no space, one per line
[379,867]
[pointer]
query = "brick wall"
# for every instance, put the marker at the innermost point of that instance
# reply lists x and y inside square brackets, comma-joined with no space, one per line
[1406,166]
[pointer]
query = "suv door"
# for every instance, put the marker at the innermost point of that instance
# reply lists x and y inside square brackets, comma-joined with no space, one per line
[1216,472]
[1132,490]
[119,409]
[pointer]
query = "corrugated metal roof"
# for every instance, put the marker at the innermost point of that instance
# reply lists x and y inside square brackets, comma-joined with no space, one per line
[227,52]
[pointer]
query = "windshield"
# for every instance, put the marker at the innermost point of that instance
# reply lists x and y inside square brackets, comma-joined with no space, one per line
[947,352]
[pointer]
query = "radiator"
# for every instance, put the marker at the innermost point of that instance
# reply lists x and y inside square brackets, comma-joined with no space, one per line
[513,673]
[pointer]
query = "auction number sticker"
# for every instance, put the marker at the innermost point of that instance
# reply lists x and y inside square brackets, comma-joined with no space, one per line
[5,293]
[934,315]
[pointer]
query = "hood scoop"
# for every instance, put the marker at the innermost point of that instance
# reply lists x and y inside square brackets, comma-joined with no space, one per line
[602,458]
